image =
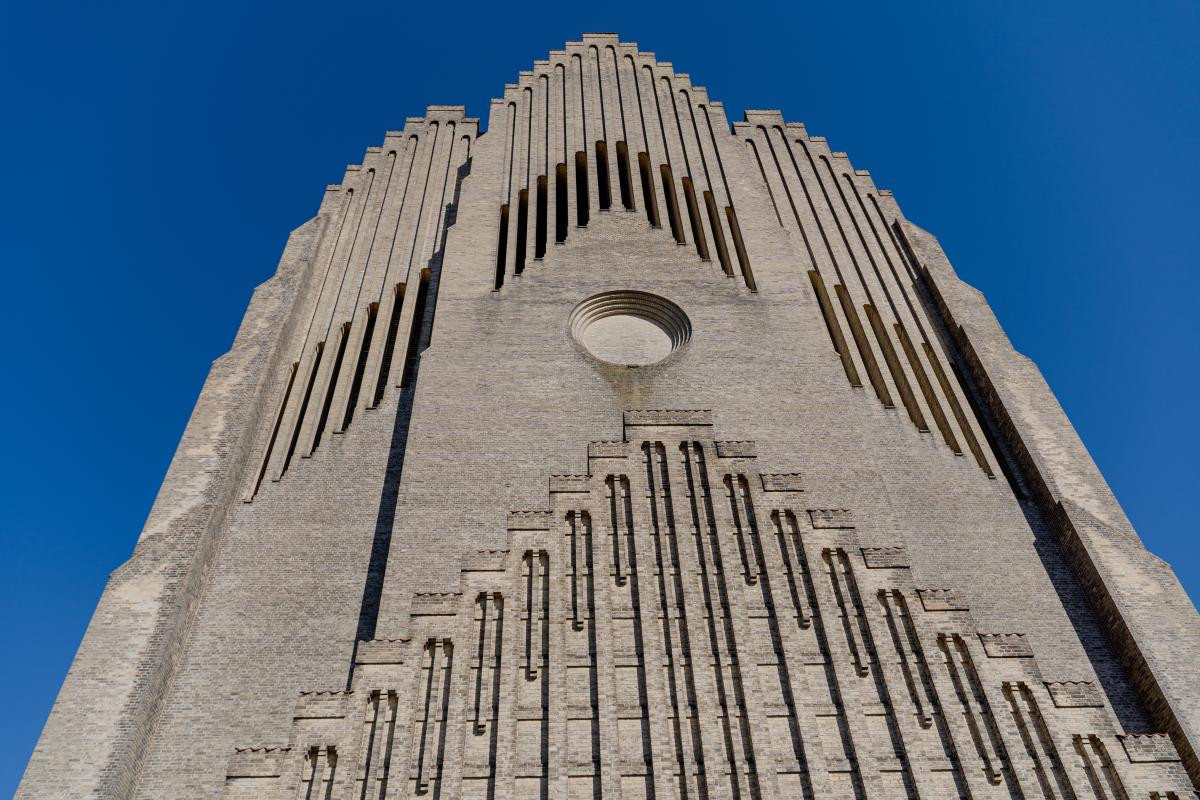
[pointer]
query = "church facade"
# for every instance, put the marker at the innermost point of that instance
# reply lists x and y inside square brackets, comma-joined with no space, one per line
[619,452]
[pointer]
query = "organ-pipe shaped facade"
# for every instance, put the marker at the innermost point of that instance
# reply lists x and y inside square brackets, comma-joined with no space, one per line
[621,452]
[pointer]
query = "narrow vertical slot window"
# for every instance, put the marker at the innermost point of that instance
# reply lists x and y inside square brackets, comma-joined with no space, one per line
[560,203]
[539,241]
[668,185]
[835,329]
[361,365]
[693,208]
[501,246]
[333,378]
[312,378]
[864,347]
[522,230]
[893,364]
[418,328]
[714,221]
[581,189]
[604,186]
[649,199]
[739,247]
[624,177]
[389,344]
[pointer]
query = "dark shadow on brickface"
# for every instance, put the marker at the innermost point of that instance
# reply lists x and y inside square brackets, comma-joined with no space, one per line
[381,543]
[1113,678]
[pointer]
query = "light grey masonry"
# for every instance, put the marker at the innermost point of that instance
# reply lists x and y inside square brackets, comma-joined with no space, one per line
[833,537]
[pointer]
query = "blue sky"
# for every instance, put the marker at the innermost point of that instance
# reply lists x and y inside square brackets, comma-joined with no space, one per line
[157,155]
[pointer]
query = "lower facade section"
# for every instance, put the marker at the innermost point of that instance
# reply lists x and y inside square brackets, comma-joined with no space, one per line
[678,623]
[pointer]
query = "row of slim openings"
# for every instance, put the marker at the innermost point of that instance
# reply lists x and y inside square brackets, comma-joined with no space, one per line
[625,182]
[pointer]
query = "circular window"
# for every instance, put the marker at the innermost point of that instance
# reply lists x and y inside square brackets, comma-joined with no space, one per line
[629,328]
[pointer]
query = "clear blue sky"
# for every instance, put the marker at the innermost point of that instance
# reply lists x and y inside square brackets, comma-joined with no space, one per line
[157,154]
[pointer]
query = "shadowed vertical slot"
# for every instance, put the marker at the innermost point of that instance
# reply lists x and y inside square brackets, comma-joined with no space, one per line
[649,199]
[361,365]
[693,208]
[502,246]
[624,177]
[539,241]
[522,230]
[333,376]
[739,247]
[560,203]
[864,347]
[604,186]
[389,344]
[963,424]
[581,189]
[893,365]
[935,408]
[714,221]
[266,459]
[668,185]
[312,378]
[418,325]
[835,330]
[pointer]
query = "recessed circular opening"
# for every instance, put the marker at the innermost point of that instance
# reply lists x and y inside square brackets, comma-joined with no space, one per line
[629,328]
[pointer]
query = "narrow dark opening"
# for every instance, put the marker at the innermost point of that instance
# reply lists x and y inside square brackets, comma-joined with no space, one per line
[418,326]
[714,221]
[907,398]
[502,246]
[333,381]
[864,346]
[624,178]
[649,199]
[539,241]
[739,247]
[602,176]
[361,366]
[389,344]
[835,330]
[522,230]
[560,203]
[287,393]
[581,189]
[312,378]
[964,424]
[693,208]
[672,200]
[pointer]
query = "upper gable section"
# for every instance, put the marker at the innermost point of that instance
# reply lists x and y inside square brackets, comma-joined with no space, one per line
[600,126]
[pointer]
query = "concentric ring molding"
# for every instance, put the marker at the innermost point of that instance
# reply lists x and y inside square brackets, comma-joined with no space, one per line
[649,329]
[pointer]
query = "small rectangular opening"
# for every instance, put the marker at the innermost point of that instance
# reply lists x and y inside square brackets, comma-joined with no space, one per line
[624,176]
[668,185]
[560,203]
[581,189]
[539,240]
[649,198]
[522,230]
[693,208]
[602,176]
